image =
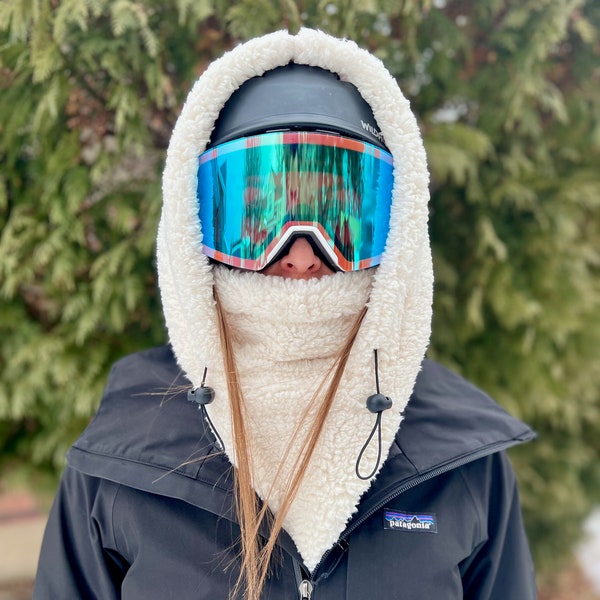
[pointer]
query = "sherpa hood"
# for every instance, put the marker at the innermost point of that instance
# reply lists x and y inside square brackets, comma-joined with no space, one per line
[397,322]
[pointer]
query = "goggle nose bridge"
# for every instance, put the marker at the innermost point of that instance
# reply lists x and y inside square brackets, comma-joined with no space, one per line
[317,241]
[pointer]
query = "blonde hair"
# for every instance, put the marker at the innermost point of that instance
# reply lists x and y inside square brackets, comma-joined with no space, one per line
[255,558]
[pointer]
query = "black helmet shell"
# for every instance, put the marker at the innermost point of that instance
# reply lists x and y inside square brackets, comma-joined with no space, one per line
[296,97]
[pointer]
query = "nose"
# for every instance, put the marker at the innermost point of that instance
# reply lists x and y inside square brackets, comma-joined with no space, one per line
[301,261]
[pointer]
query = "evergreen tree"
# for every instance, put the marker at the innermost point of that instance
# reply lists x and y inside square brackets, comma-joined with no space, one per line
[507,97]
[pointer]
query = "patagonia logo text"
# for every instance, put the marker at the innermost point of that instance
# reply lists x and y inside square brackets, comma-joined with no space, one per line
[401,521]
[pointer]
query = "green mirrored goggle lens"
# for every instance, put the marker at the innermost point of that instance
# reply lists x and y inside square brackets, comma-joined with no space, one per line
[255,192]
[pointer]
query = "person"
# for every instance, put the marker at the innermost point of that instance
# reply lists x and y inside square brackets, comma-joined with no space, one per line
[292,441]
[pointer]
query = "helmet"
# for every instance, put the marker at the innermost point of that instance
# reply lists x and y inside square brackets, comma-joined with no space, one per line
[296,97]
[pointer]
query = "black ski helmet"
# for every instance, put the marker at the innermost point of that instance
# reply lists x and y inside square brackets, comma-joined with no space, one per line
[296,97]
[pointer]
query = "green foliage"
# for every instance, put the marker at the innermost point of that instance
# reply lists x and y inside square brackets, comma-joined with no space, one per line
[515,225]
[506,94]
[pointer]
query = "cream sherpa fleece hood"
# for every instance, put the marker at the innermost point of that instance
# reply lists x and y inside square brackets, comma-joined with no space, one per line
[397,322]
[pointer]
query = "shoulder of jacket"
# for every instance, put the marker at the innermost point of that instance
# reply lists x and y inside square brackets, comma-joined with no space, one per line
[154,367]
[448,418]
[146,429]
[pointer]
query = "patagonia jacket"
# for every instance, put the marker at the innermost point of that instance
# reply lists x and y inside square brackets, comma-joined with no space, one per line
[145,510]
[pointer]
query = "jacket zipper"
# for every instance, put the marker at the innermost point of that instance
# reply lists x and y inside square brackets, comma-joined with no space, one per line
[305,589]
[488,450]
[305,586]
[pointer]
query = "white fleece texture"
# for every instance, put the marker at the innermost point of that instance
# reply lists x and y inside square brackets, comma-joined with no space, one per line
[397,323]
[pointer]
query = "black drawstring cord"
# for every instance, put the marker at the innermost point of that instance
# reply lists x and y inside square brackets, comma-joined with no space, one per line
[376,360]
[377,427]
[376,403]
[202,396]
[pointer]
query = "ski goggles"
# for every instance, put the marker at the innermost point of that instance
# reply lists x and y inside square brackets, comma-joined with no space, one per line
[256,193]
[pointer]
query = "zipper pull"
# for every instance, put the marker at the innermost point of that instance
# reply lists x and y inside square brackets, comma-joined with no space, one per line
[305,589]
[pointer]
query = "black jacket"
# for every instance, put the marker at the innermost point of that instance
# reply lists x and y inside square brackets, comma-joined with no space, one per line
[141,511]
